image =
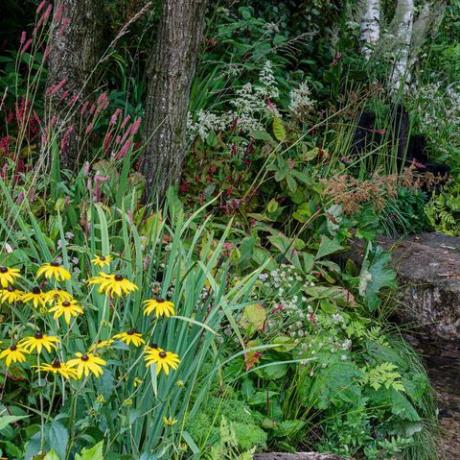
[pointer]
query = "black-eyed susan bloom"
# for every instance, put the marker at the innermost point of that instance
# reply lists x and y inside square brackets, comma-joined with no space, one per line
[39,341]
[8,276]
[58,295]
[164,360]
[101,345]
[159,307]
[36,297]
[11,295]
[86,364]
[102,261]
[54,270]
[113,285]
[130,337]
[58,368]
[67,308]
[15,353]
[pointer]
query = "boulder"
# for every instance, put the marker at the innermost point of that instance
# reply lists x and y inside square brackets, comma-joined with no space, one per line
[428,269]
[298,456]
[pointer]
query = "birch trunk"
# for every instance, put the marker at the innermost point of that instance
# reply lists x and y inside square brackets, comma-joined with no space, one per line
[170,76]
[72,57]
[403,26]
[370,27]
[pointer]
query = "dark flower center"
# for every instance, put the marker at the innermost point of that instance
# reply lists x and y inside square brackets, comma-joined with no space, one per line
[10,289]
[38,335]
[66,303]
[3,269]
[102,258]
[118,277]
[154,346]
[13,348]
[162,354]
[160,300]
[55,264]
[132,332]
[85,358]
[56,364]
[36,290]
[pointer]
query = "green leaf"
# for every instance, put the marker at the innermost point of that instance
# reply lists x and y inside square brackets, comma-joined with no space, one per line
[95,453]
[52,455]
[327,247]
[376,275]
[254,317]
[289,427]
[58,438]
[8,419]
[278,129]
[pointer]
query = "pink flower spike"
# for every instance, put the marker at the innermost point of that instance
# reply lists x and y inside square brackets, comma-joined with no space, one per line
[45,16]
[26,46]
[89,128]
[114,117]
[41,6]
[58,13]
[125,121]
[84,107]
[135,126]
[23,37]
[124,150]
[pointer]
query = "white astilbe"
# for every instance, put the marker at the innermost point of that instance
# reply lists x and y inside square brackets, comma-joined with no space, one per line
[252,103]
[301,103]
[268,87]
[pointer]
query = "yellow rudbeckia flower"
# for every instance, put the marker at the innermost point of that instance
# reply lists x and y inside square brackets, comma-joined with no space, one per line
[56,367]
[159,306]
[39,341]
[11,295]
[68,309]
[16,353]
[113,285]
[8,276]
[129,337]
[86,364]
[164,360]
[56,295]
[54,270]
[102,261]
[100,345]
[36,297]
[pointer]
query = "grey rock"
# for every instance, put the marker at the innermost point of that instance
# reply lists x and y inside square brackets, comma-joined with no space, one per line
[298,456]
[428,269]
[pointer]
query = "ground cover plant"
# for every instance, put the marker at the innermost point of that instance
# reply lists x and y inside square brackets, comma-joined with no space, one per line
[175,215]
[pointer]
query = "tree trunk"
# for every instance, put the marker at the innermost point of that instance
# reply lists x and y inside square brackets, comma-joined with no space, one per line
[426,24]
[171,71]
[403,26]
[72,58]
[370,27]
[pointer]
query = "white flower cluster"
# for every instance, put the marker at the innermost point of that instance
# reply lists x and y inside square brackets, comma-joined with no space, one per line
[249,108]
[439,110]
[301,102]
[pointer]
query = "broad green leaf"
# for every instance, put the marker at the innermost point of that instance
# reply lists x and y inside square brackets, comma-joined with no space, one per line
[95,453]
[278,129]
[58,437]
[254,317]
[327,247]
[5,420]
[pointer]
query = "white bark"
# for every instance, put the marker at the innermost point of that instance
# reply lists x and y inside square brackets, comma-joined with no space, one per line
[403,28]
[370,27]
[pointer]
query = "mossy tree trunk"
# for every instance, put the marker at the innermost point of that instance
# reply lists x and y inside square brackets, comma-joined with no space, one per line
[170,76]
[73,46]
